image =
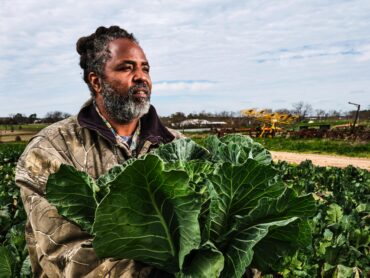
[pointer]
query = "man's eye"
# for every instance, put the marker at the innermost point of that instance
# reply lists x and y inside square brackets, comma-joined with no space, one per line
[125,68]
[146,69]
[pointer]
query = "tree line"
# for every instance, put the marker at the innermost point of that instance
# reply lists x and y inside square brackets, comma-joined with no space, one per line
[304,110]
[20,119]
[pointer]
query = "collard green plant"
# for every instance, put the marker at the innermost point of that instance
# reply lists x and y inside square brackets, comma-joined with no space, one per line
[187,210]
[6,262]
[341,230]
[14,260]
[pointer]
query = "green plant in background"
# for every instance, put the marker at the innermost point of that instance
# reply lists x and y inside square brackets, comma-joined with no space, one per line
[14,260]
[341,231]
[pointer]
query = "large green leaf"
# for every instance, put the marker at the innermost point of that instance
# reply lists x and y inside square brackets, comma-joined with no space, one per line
[250,229]
[236,149]
[73,193]
[104,181]
[150,215]
[239,250]
[235,191]
[281,242]
[6,263]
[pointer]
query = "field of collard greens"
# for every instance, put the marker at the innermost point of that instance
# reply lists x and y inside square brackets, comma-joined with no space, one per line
[218,210]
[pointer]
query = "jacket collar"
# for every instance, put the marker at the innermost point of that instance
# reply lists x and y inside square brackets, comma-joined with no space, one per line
[152,128]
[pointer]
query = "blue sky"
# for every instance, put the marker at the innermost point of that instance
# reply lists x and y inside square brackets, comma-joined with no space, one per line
[207,55]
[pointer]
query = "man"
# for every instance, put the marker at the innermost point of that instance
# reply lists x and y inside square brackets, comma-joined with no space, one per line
[117,123]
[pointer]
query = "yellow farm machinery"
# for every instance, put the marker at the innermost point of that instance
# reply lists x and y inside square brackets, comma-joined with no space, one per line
[271,122]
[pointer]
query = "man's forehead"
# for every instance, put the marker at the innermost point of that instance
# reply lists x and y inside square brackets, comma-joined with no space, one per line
[126,49]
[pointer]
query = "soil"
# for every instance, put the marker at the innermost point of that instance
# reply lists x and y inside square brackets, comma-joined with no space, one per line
[322,160]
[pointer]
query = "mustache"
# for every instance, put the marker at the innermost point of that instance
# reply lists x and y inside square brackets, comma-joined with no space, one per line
[139,87]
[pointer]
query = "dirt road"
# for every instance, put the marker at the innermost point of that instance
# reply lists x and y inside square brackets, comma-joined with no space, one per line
[322,160]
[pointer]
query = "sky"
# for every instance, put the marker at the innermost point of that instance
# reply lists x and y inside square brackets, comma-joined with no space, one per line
[205,55]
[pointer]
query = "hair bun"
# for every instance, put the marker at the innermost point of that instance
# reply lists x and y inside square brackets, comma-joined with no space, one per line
[84,44]
[81,45]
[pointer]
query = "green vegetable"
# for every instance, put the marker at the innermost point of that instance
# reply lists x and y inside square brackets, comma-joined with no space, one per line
[150,215]
[345,244]
[187,210]
[341,230]
[6,263]
[13,250]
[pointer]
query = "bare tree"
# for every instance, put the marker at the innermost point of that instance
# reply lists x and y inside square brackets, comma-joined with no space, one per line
[302,108]
[320,113]
[334,113]
[177,117]
[54,116]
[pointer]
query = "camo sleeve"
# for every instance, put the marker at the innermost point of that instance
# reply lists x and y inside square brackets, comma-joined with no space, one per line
[57,247]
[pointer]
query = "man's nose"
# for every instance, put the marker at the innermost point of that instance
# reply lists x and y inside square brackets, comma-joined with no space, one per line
[141,76]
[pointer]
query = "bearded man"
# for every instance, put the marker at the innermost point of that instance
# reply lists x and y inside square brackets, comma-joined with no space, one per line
[117,123]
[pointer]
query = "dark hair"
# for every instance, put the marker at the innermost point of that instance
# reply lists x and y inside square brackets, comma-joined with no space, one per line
[94,52]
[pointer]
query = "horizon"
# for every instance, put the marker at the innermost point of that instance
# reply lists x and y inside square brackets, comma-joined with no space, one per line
[328,114]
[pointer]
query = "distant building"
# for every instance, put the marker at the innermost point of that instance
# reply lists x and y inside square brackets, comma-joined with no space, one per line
[198,123]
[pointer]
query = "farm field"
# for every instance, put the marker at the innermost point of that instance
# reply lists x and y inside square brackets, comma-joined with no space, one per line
[315,146]
[339,244]
[13,133]
[15,136]
[32,127]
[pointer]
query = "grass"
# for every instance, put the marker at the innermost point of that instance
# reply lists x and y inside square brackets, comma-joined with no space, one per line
[316,146]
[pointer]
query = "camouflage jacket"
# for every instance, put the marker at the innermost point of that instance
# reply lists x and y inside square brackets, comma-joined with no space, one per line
[57,247]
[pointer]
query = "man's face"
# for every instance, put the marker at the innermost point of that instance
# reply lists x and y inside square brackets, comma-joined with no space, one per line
[126,87]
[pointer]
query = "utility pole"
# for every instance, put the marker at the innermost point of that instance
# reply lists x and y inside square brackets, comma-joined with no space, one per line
[356,117]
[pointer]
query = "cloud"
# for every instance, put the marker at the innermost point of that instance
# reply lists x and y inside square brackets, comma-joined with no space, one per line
[181,87]
[305,53]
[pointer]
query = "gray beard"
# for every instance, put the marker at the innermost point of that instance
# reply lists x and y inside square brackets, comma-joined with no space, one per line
[124,108]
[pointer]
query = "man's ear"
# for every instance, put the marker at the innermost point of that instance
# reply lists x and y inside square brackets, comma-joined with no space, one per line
[94,82]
